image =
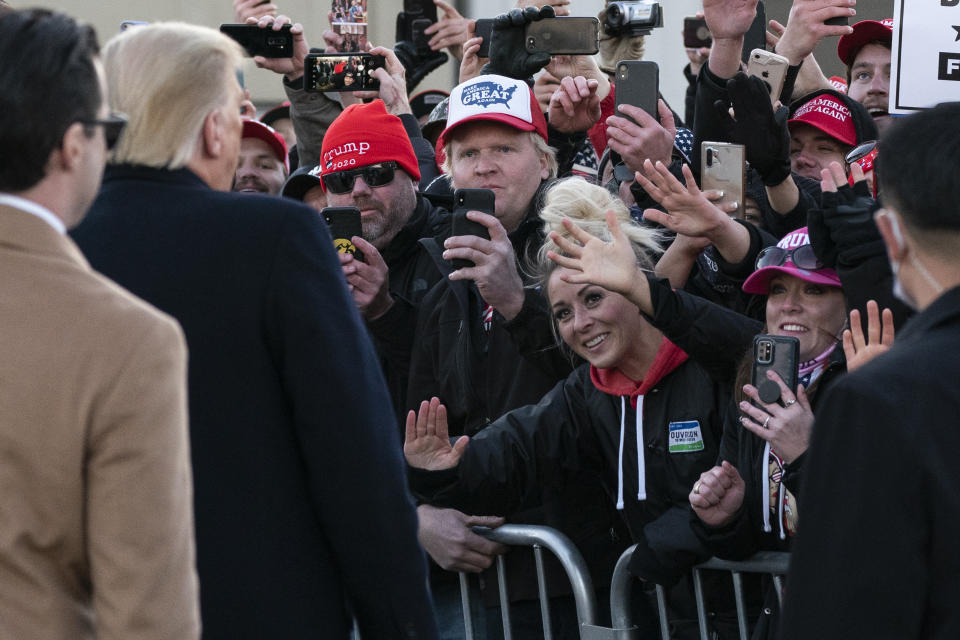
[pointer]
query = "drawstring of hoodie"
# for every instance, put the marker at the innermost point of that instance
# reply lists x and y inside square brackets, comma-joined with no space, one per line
[641,463]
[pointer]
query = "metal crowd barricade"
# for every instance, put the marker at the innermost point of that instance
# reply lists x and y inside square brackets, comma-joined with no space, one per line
[623,625]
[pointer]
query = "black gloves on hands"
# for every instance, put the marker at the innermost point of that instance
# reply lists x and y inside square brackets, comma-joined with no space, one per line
[843,226]
[417,65]
[508,52]
[763,133]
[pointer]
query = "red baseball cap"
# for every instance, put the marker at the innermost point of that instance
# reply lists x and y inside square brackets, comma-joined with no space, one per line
[829,115]
[496,99]
[864,32]
[260,131]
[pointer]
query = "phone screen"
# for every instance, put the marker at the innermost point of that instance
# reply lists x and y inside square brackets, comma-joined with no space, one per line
[342,72]
[349,19]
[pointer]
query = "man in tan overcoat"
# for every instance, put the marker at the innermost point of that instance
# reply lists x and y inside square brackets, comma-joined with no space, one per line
[96,526]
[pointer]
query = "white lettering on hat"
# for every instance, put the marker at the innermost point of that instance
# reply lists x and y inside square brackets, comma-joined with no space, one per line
[488,95]
[347,147]
[794,240]
[484,94]
[826,106]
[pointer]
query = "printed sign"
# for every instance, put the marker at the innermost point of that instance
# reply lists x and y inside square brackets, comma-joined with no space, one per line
[925,59]
[685,437]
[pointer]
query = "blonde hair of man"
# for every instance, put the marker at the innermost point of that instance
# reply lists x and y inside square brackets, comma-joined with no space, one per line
[167,78]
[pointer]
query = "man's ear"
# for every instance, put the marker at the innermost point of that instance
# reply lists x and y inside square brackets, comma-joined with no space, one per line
[891,231]
[70,153]
[212,133]
[544,167]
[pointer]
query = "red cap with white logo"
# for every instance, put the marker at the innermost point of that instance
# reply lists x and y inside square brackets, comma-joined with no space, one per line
[829,115]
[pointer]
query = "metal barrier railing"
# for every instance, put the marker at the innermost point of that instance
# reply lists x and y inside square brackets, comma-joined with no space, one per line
[623,625]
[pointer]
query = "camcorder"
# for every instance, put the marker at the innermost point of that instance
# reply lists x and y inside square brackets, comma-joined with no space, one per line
[631,18]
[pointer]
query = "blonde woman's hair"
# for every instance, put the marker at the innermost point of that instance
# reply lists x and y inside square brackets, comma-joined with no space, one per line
[585,205]
[167,77]
[539,145]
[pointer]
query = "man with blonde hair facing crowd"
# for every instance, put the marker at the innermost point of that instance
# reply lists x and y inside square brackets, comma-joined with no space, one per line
[302,513]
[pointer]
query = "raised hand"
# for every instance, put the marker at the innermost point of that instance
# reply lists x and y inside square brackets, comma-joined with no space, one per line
[575,105]
[508,52]
[644,138]
[561,7]
[291,68]
[805,26]
[427,443]
[611,265]
[495,269]
[729,19]
[787,428]
[451,30]
[879,336]
[718,495]
[471,63]
[368,281]
[243,10]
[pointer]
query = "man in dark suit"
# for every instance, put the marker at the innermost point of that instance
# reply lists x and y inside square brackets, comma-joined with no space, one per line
[301,502]
[876,552]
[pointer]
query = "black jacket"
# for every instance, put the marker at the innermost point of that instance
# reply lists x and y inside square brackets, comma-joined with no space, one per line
[299,490]
[412,273]
[876,553]
[480,376]
[576,428]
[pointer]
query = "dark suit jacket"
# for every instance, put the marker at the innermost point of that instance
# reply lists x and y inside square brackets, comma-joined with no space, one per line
[300,494]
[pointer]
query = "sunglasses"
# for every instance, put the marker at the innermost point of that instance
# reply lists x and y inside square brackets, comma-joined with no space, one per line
[802,257]
[113,126]
[374,176]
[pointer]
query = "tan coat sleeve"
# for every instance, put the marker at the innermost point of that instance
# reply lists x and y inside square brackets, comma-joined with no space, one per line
[139,499]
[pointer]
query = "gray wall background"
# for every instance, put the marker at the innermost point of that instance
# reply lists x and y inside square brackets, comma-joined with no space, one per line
[664,46]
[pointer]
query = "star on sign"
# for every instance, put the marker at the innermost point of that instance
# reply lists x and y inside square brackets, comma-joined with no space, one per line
[958,32]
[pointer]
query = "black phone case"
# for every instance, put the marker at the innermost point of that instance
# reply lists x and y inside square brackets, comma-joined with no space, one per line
[315,81]
[565,35]
[484,29]
[344,224]
[638,84]
[774,353]
[261,42]
[692,28]
[417,16]
[464,200]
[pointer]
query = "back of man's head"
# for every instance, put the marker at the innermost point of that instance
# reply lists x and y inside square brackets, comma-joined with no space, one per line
[167,77]
[48,81]
[919,171]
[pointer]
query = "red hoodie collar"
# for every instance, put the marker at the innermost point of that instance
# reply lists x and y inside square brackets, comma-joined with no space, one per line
[613,381]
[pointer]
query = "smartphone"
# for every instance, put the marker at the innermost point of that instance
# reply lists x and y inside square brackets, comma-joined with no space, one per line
[638,84]
[484,29]
[344,224]
[722,167]
[775,353]
[771,68]
[261,42]
[349,20]
[563,36]
[756,36]
[695,33]
[341,72]
[418,15]
[464,200]
[126,24]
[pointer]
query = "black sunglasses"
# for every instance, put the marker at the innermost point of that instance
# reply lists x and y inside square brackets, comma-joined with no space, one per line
[113,126]
[802,257]
[376,175]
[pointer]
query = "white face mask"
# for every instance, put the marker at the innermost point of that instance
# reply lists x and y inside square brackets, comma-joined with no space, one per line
[898,291]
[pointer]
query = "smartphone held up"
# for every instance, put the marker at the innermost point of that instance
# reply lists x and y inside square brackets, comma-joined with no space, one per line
[325,72]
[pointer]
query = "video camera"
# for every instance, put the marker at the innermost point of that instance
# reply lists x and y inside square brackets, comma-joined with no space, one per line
[631,18]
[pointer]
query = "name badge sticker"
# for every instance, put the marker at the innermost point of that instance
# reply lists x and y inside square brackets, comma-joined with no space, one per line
[685,437]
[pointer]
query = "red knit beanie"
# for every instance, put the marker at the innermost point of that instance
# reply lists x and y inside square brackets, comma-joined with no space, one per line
[366,134]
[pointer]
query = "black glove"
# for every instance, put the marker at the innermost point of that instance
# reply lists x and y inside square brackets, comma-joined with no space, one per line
[417,66]
[508,52]
[762,132]
[843,223]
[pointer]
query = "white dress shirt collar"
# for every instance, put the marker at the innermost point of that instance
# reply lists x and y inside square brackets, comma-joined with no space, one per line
[32,207]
